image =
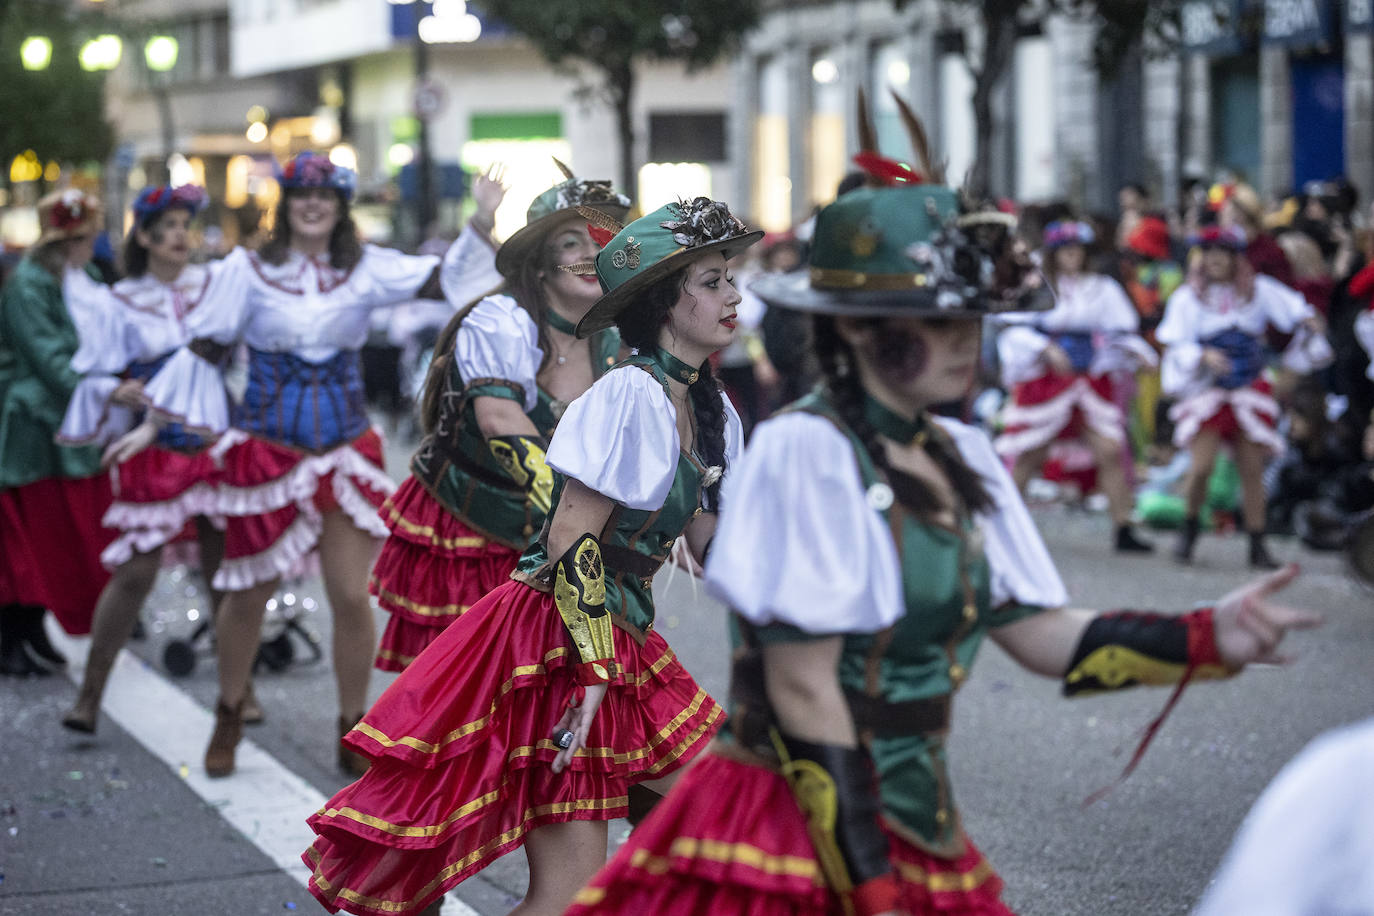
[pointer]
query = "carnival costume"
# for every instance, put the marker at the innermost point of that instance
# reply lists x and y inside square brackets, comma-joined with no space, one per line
[129,331]
[1095,324]
[470,506]
[300,443]
[1239,403]
[817,541]
[52,496]
[460,744]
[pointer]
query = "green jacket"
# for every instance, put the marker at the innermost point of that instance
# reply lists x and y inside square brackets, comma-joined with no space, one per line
[37,340]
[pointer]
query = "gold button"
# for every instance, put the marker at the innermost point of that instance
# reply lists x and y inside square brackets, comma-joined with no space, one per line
[970,611]
[957,673]
[942,817]
[668,544]
[692,378]
[647,583]
[696,513]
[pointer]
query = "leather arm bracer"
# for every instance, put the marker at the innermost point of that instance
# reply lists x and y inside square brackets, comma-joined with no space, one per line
[836,789]
[579,593]
[1124,648]
[523,460]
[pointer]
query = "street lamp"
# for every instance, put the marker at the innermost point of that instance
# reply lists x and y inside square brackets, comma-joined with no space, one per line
[101,53]
[160,53]
[36,52]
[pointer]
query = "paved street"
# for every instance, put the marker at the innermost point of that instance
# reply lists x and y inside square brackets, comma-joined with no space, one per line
[126,823]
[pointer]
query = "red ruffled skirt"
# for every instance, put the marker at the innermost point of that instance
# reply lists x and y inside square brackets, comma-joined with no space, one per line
[274,498]
[158,494]
[50,544]
[460,754]
[431,570]
[1059,407]
[729,840]
[1249,412]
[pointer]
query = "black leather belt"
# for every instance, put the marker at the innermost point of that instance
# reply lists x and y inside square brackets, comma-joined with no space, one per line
[623,559]
[894,720]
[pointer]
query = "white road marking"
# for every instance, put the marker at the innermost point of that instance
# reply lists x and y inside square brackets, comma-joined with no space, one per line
[263,800]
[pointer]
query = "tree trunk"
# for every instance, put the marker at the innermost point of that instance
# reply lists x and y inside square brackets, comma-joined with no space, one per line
[620,82]
[999,44]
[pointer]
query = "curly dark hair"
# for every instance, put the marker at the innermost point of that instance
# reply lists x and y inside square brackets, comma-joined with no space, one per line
[841,377]
[345,249]
[639,326]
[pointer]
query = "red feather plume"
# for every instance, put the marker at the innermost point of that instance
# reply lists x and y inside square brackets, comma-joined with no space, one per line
[886,171]
[602,237]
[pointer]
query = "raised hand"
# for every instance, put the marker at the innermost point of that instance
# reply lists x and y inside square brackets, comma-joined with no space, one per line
[489,190]
[1250,624]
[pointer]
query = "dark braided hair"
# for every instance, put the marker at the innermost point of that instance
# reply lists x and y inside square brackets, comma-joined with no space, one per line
[840,371]
[639,327]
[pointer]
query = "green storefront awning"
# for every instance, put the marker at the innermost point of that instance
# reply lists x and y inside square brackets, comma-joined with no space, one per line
[539,125]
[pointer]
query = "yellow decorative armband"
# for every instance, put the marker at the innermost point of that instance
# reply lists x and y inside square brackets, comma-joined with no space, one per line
[523,460]
[579,593]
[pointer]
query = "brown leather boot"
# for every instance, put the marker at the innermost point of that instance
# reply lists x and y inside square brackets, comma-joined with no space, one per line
[350,762]
[219,756]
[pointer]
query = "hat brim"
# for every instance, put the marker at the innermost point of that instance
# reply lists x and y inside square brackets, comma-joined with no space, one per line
[524,242]
[602,315]
[794,291]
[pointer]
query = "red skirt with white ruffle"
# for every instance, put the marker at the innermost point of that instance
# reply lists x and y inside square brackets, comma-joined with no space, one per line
[729,840]
[158,494]
[274,499]
[1054,407]
[1249,412]
[461,753]
[431,570]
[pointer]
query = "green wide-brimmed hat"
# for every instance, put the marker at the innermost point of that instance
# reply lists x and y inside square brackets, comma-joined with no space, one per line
[654,246]
[906,249]
[556,204]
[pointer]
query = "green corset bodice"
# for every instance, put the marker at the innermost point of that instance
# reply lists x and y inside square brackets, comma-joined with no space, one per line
[917,663]
[458,469]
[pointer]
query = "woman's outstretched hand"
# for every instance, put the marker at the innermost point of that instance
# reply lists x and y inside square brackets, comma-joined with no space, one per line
[578,720]
[1250,624]
[129,444]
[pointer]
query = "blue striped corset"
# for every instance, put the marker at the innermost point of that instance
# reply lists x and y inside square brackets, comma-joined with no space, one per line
[1246,354]
[310,406]
[173,436]
[1078,345]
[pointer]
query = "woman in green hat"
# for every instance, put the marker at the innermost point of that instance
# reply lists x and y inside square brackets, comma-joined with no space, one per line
[528,719]
[866,549]
[504,370]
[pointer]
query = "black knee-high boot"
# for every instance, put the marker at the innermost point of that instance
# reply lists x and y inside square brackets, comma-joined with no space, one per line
[1183,550]
[37,638]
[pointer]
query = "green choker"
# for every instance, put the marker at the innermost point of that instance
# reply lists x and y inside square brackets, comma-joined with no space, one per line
[559,323]
[673,367]
[895,427]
